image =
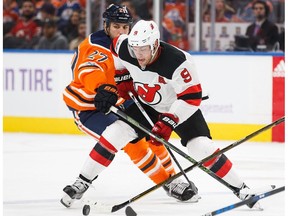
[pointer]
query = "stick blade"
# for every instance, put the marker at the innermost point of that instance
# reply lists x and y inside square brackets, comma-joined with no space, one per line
[130,212]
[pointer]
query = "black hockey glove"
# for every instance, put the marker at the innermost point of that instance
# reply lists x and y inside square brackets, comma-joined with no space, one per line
[106,96]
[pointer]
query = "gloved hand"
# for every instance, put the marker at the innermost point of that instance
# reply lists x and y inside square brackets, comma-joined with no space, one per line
[124,83]
[106,96]
[164,127]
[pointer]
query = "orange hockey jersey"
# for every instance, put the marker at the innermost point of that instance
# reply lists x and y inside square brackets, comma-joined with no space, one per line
[92,65]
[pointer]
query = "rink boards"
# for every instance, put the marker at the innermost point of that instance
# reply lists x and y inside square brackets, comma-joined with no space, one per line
[246,92]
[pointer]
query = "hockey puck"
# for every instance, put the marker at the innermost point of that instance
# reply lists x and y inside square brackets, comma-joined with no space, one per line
[86,210]
[130,212]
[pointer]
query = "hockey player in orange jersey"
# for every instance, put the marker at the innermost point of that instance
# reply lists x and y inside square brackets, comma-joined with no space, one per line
[93,82]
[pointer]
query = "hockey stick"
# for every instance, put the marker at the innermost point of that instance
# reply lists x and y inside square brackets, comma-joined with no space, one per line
[245,202]
[114,208]
[180,152]
[151,123]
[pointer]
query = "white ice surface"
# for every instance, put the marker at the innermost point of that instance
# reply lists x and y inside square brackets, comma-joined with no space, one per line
[36,167]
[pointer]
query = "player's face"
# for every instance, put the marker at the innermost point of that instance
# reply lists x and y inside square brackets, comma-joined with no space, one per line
[143,54]
[116,29]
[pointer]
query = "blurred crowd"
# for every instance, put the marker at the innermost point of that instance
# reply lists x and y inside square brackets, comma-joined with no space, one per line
[43,24]
[61,24]
[238,10]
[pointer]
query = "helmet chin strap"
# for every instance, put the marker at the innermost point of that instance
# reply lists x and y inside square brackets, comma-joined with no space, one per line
[105,27]
[154,53]
[151,59]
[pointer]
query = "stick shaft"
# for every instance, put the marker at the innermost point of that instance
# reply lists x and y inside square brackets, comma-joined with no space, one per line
[196,164]
[180,152]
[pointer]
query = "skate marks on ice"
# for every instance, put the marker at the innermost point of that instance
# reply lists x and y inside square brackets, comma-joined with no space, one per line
[37,167]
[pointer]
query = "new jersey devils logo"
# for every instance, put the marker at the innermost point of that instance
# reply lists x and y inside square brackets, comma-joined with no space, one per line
[148,94]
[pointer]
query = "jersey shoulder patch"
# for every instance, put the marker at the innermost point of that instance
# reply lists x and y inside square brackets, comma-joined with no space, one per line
[100,38]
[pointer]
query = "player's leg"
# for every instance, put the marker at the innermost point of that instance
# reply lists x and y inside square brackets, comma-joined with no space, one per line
[179,184]
[160,151]
[146,160]
[195,135]
[93,124]
[179,188]
[164,157]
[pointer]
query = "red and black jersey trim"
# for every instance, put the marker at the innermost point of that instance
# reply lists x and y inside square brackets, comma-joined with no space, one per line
[191,96]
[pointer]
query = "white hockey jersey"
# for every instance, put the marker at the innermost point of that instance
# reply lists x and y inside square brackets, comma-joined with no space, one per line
[169,84]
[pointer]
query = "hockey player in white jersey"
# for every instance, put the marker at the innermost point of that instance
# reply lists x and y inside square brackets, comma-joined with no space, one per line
[165,80]
[93,80]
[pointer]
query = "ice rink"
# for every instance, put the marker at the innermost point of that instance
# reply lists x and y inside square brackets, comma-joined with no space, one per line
[36,167]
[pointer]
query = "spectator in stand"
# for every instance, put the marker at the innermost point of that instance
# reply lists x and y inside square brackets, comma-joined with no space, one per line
[27,28]
[81,36]
[82,14]
[9,41]
[70,30]
[10,17]
[82,3]
[247,13]
[47,11]
[65,11]
[56,3]
[174,24]
[38,4]
[10,11]
[263,34]
[224,12]
[131,6]
[52,39]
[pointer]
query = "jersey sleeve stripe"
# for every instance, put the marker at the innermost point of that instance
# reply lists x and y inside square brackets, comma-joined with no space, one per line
[83,93]
[80,98]
[92,65]
[73,103]
[84,71]
[192,95]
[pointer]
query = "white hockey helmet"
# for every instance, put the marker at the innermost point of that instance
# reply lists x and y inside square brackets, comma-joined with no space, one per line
[145,33]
